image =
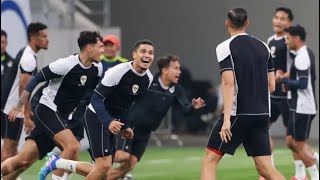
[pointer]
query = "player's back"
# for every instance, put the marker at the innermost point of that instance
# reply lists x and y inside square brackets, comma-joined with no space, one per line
[249,58]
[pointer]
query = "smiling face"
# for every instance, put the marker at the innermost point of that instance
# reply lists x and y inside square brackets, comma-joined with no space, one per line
[143,57]
[280,21]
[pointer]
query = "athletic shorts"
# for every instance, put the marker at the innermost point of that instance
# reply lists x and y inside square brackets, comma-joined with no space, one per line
[299,126]
[11,130]
[135,146]
[252,131]
[279,106]
[102,141]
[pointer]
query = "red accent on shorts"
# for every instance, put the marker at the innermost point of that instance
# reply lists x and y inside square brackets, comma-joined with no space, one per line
[216,151]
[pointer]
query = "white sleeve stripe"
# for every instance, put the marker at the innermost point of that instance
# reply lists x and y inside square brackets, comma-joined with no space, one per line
[43,75]
[226,69]
[303,77]
[99,93]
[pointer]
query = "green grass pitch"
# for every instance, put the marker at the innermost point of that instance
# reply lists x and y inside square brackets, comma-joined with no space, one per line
[185,164]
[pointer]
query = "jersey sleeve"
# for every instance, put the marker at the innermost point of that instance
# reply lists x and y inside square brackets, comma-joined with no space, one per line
[28,64]
[270,63]
[302,65]
[62,66]
[224,56]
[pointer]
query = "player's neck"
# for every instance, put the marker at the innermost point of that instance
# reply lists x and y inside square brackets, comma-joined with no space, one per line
[84,59]
[137,68]
[33,47]
[299,46]
[165,81]
[234,32]
[280,34]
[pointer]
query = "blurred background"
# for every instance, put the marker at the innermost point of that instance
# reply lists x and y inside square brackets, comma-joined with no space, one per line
[190,29]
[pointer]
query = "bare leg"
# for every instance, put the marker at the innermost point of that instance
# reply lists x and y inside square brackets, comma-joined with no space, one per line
[103,165]
[265,168]
[9,149]
[125,167]
[209,165]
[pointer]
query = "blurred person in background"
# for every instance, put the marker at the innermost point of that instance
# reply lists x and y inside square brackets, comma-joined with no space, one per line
[110,57]
[23,68]
[302,104]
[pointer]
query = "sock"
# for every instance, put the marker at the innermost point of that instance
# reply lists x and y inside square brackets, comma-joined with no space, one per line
[54,177]
[313,172]
[66,176]
[300,169]
[316,157]
[272,160]
[66,164]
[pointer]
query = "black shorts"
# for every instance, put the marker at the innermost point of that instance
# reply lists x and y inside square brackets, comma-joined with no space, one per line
[279,106]
[51,120]
[11,130]
[299,126]
[43,137]
[135,146]
[101,140]
[252,131]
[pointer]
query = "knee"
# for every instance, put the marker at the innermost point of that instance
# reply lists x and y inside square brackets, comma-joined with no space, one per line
[290,144]
[73,148]
[211,158]
[263,169]
[105,167]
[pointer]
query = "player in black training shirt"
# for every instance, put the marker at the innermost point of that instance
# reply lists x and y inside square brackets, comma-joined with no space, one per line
[24,66]
[247,77]
[107,113]
[70,79]
[302,103]
[148,111]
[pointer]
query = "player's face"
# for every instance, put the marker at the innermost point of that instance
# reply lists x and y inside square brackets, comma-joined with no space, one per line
[143,56]
[110,49]
[280,21]
[172,72]
[4,44]
[42,41]
[96,50]
[291,41]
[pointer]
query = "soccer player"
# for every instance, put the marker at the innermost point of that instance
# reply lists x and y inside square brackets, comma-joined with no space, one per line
[24,66]
[302,104]
[110,58]
[146,116]
[69,79]
[107,113]
[247,75]
[7,65]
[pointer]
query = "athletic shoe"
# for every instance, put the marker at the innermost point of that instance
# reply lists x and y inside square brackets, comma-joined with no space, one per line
[49,166]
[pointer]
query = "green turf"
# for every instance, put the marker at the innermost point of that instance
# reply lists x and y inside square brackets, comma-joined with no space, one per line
[185,164]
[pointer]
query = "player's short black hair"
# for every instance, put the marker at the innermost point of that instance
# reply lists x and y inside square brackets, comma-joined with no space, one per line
[237,17]
[164,61]
[144,41]
[3,33]
[88,37]
[34,28]
[287,11]
[297,31]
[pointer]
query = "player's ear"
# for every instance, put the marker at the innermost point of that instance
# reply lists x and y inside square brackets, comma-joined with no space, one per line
[90,47]
[134,54]
[226,23]
[246,23]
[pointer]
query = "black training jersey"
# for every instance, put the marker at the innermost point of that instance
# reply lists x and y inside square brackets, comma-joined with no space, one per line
[69,80]
[250,60]
[8,73]
[279,54]
[119,87]
[148,111]
[303,100]
[25,62]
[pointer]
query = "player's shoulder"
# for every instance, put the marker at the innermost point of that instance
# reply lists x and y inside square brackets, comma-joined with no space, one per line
[302,59]
[271,38]
[149,74]
[223,50]
[260,41]
[118,70]
[99,67]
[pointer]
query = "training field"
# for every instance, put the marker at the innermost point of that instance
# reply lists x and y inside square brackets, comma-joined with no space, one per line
[185,164]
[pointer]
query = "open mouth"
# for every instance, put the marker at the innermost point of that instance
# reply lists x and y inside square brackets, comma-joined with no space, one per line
[145,61]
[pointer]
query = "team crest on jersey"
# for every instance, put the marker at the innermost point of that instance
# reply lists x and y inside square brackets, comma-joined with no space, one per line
[9,64]
[172,89]
[272,51]
[135,89]
[83,80]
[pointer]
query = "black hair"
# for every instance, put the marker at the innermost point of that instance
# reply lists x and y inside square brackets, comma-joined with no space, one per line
[164,61]
[88,37]
[297,31]
[144,41]
[3,33]
[287,11]
[34,28]
[237,17]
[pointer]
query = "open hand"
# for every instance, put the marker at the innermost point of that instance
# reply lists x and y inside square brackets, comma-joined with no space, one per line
[127,133]
[198,103]
[115,126]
